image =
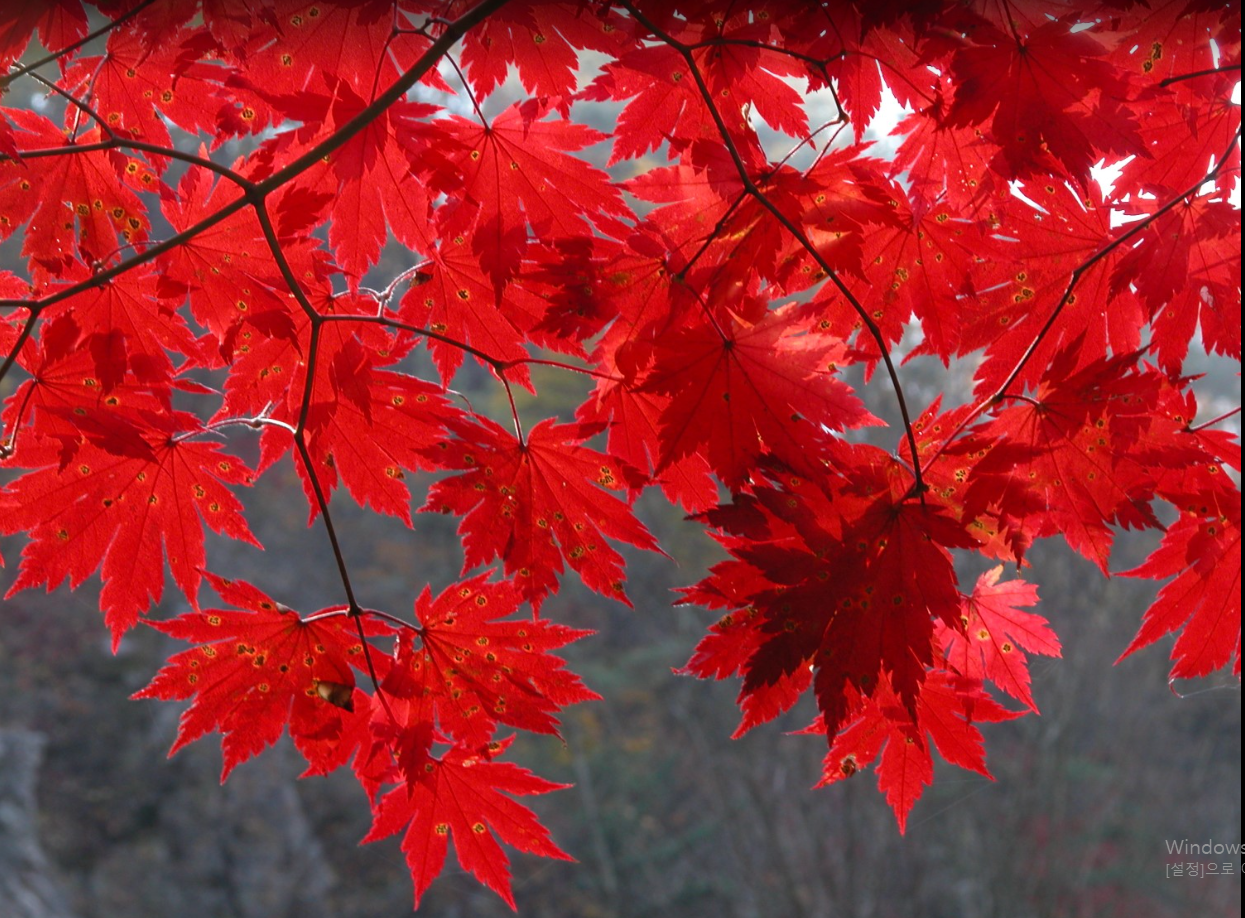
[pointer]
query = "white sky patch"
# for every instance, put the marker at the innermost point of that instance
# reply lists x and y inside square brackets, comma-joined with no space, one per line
[822,110]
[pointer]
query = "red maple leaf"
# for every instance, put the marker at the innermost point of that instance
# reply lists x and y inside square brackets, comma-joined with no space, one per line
[924,260]
[635,437]
[134,307]
[995,635]
[257,669]
[75,376]
[541,38]
[1204,601]
[944,717]
[739,389]
[468,672]
[844,597]
[368,425]
[363,425]
[463,794]
[122,511]
[370,185]
[739,70]
[1187,271]
[74,203]
[296,39]
[538,502]
[512,171]
[459,304]
[135,86]
[59,24]
[1063,463]
[1044,238]
[228,270]
[1050,95]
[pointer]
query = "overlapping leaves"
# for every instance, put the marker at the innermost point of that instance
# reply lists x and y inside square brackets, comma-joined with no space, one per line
[166,299]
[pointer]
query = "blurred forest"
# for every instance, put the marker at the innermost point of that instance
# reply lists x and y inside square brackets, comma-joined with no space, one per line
[668,817]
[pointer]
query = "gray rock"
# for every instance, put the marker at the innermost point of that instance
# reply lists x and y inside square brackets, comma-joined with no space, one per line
[26,887]
[242,850]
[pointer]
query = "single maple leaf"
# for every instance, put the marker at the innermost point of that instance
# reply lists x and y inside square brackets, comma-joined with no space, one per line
[233,22]
[892,579]
[123,512]
[372,184]
[471,672]
[1203,602]
[134,87]
[741,644]
[948,465]
[1052,95]
[734,238]
[734,644]
[844,193]
[841,582]
[1063,465]
[944,716]
[538,502]
[568,275]
[995,635]
[517,172]
[258,668]
[940,161]
[1171,38]
[463,794]
[541,38]
[75,204]
[841,47]
[738,390]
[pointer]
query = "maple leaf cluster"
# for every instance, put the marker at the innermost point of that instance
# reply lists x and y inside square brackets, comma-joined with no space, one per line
[709,290]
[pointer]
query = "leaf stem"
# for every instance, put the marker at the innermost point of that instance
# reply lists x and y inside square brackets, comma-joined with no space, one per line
[22,338]
[1229,68]
[1218,420]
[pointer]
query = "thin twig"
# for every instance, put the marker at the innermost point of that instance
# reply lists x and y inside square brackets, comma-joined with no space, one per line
[1228,68]
[750,186]
[1213,421]
[1074,279]
[70,49]
[300,429]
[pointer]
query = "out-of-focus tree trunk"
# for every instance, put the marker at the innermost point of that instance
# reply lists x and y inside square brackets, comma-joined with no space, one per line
[27,889]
